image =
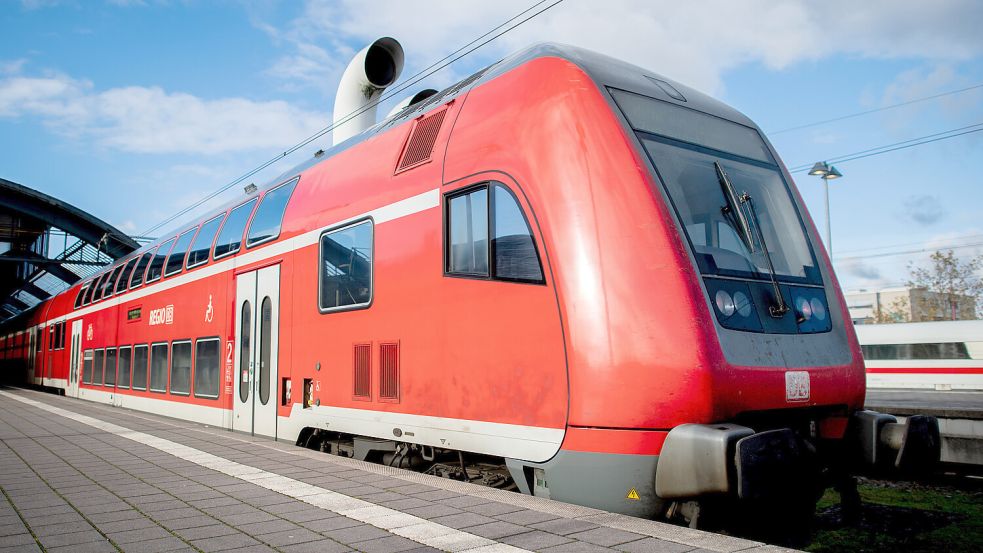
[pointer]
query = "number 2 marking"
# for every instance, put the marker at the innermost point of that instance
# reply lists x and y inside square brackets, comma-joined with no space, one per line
[228,355]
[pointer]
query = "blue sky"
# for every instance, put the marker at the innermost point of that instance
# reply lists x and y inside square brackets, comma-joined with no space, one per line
[135,109]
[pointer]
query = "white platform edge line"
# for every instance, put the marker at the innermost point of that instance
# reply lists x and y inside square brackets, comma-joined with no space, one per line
[436,535]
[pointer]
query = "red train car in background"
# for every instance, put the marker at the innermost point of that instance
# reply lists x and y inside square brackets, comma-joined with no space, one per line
[595,283]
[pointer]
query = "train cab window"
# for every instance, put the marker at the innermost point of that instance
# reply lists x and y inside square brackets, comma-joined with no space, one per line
[175,261]
[156,268]
[207,374]
[467,224]
[140,358]
[512,244]
[137,278]
[124,276]
[158,367]
[87,367]
[110,379]
[230,237]
[345,274]
[265,225]
[124,366]
[181,368]
[510,253]
[203,242]
[97,366]
[81,295]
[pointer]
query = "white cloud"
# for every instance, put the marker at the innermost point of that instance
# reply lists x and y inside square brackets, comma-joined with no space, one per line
[152,120]
[693,42]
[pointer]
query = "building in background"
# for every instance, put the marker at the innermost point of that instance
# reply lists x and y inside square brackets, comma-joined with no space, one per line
[904,304]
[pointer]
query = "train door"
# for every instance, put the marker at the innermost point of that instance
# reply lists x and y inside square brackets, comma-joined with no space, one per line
[75,359]
[257,341]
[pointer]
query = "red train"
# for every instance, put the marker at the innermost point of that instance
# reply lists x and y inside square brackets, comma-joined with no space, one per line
[603,279]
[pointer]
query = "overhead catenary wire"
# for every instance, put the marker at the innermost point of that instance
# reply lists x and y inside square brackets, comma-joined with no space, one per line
[941,245]
[447,60]
[875,110]
[907,252]
[910,143]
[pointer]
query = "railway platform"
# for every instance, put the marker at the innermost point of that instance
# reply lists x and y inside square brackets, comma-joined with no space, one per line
[84,477]
[960,415]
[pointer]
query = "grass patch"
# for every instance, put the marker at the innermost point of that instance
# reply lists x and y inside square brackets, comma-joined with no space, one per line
[903,516]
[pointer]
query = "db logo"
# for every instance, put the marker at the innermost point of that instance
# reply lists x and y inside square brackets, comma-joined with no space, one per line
[162,316]
[797,386]
[88,333]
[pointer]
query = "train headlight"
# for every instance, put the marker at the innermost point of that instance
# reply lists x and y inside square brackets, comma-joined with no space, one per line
[818,309]
[743,304]
[811,311]
[725,303]
[803,309]
[733,304]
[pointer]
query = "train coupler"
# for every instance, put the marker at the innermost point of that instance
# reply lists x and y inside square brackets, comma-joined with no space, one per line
[912,447]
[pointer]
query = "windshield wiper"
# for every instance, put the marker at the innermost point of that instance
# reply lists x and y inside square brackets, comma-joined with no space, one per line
[735,205]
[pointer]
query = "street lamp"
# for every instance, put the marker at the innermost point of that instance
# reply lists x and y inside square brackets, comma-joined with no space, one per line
[826,172]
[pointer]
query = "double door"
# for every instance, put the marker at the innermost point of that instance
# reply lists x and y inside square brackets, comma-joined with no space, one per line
[257,339]
[75,359]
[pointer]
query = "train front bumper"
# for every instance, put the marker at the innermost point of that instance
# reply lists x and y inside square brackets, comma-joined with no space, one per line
[714,459]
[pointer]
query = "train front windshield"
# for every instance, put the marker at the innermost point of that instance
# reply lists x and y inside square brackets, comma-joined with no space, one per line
[699,157]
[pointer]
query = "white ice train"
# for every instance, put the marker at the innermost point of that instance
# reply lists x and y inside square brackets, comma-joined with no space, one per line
[938,355]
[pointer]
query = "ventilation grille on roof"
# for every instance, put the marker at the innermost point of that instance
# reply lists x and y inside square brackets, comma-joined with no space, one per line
[419,147]
[389,371]
[362,361]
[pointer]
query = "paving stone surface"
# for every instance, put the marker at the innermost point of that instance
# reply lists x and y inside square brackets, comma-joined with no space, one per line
[72,481]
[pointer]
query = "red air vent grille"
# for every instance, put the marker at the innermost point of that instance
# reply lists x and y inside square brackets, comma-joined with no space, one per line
[419,147]
[362,362]
[389,371]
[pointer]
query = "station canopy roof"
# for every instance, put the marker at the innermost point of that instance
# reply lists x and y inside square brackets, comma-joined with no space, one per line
[46,245]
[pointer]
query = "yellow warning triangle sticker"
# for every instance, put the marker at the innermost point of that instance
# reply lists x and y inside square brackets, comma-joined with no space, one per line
[632,494]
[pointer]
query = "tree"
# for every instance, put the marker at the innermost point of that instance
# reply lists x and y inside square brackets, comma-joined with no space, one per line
[897,312]
[952,288]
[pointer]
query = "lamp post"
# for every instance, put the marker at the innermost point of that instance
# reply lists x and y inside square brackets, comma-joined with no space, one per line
[826,172]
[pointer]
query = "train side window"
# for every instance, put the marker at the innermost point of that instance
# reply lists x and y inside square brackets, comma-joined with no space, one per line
[513,247]
[124,365]
[107,286]
[137,278]
[87,367]
[81,294]
[181,367]
[110,379]
[124,277]
[467,225]
[156,268]
[90,296]
[265,225]
[230,237]
[510,253]
[158,367]
[175,261]
[207,374]
[203,242]
[97,366]
[345,273]
[140,367]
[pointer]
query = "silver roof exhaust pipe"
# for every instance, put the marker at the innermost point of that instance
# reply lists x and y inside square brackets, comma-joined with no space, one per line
[377,66]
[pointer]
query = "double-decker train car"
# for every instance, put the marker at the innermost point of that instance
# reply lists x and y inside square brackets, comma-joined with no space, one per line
[936,355]
[600,279]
